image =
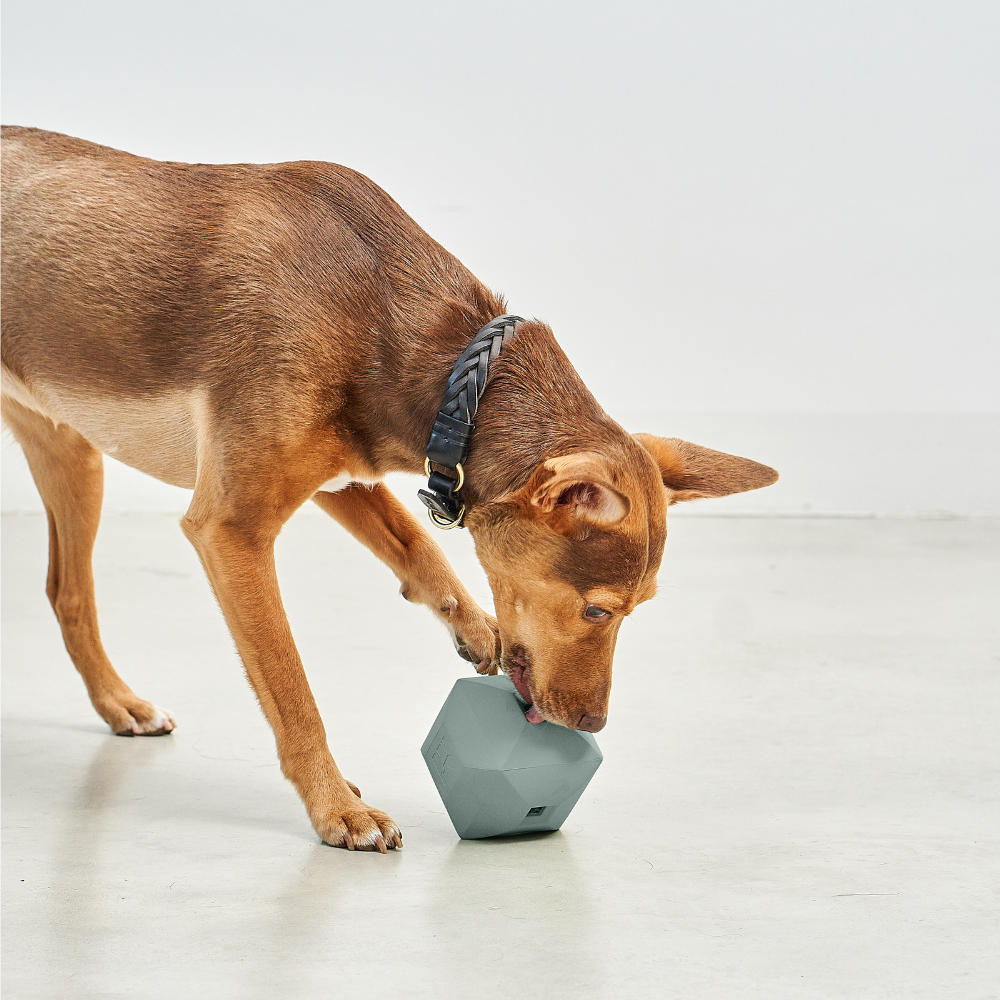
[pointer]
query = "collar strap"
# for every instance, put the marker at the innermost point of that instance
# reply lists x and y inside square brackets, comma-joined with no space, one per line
[448,446]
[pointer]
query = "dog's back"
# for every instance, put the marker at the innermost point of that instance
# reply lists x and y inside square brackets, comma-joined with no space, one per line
[130,285]
[140,273]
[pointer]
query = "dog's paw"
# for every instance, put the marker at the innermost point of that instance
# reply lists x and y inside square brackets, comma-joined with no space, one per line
[128,715]
[359,827]
[477,639]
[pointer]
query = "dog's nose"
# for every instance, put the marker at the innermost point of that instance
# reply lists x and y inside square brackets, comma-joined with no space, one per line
[592,723]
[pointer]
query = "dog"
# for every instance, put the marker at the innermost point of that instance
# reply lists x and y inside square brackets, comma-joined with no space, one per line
[268,334]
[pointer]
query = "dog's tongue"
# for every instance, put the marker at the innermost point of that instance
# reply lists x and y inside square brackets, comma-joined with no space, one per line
[517,677]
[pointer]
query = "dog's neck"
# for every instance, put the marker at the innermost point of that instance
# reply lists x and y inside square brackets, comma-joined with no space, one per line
[535,407]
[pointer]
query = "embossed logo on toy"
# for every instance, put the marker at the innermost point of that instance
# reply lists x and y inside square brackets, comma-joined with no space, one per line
[440,753]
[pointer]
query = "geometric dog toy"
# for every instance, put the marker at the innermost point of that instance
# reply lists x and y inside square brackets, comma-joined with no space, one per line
[496,772]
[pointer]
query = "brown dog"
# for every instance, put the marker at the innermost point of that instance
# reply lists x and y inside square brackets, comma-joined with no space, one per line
[267,334]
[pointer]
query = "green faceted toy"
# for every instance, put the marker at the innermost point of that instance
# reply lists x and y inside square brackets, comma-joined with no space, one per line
[496,772]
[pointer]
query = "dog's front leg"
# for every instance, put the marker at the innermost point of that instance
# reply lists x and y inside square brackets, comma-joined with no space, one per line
[377,519]
[237,552]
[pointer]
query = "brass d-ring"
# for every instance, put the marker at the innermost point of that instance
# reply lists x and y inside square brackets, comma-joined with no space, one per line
[442,522]
[458,469]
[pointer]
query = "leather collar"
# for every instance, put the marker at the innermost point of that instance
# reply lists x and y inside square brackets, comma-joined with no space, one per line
[448,446]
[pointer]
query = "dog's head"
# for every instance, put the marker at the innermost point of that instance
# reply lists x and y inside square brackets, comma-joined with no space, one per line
[576,549]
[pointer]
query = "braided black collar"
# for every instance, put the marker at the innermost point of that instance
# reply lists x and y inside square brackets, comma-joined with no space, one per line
[448,446]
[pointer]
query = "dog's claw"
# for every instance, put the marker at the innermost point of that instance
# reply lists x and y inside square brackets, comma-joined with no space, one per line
[354,788]
[380,844]
[348,840]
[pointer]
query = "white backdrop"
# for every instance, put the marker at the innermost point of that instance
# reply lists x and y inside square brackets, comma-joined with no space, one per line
[773,224]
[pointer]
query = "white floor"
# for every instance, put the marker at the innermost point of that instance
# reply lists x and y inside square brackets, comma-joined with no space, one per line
[799,796]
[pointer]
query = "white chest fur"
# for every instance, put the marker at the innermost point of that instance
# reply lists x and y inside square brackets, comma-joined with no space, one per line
[342,479]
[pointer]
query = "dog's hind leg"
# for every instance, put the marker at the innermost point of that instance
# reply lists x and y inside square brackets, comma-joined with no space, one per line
[69,474]
[378,520]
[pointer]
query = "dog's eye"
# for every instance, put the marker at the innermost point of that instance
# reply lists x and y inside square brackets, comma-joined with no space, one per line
[594,613]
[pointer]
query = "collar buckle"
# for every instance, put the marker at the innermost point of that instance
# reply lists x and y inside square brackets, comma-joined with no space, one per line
[444,508]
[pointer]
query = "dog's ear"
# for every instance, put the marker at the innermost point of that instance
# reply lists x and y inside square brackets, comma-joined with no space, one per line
[573,492]
[690,471]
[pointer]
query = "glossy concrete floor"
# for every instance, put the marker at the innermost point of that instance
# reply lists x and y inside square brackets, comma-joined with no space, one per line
[799,796]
